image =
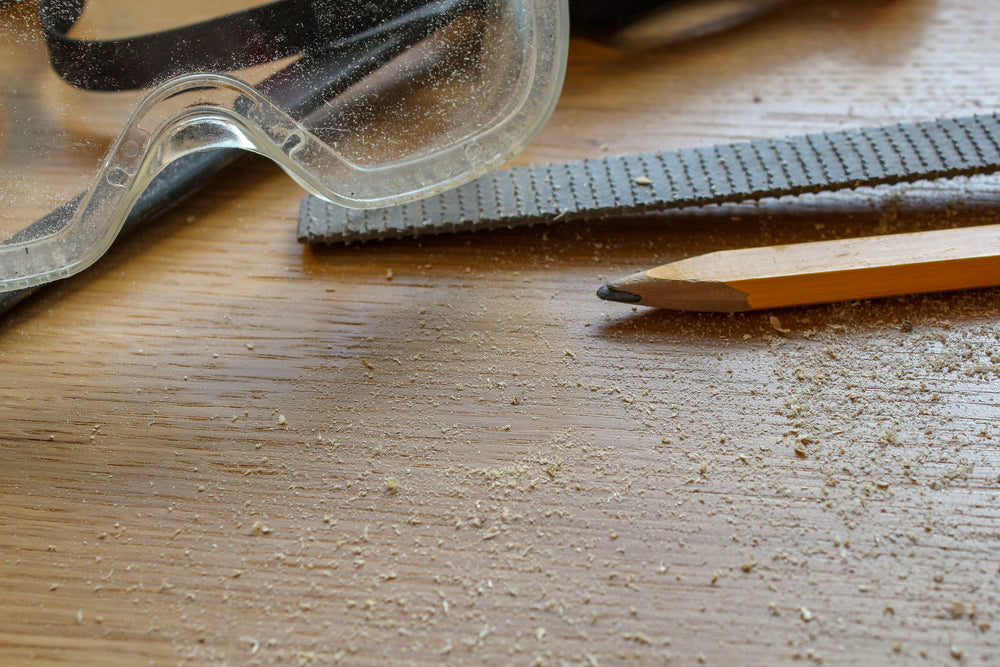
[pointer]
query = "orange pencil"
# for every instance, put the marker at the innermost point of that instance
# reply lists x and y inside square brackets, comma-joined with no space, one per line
[821,272]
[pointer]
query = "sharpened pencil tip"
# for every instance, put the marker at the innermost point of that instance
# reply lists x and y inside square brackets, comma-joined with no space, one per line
[609,293]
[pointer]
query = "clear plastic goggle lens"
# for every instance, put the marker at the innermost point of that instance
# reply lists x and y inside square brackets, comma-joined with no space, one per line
[123,106]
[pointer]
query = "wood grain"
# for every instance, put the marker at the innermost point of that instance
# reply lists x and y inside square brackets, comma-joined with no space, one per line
[221,447]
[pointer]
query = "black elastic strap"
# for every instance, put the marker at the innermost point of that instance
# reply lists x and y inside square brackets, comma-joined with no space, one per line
[606,14]
[226,43]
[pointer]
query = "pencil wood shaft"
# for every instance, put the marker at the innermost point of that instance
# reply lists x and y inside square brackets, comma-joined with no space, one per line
[819,272]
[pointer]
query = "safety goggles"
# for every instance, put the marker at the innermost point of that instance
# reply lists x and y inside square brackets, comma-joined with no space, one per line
[111,107]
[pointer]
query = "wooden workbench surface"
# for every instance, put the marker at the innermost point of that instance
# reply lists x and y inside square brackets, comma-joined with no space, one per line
[219,446]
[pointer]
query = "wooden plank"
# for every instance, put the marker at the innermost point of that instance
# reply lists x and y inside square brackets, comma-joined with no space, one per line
[572,483]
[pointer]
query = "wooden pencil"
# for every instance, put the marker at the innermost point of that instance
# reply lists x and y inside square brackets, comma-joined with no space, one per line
[819,272]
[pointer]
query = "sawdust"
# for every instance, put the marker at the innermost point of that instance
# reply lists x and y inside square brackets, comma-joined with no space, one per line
[639,495]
